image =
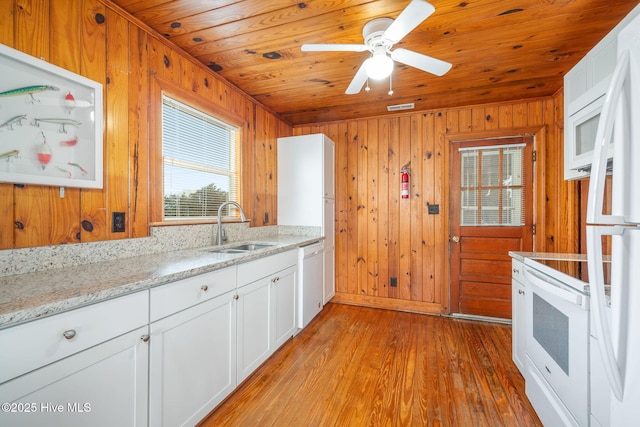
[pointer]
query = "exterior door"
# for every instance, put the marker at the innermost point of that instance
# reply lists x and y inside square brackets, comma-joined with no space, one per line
[491,203]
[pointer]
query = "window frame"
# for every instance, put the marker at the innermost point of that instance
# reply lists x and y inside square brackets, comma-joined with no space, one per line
[477,209]
[160,89]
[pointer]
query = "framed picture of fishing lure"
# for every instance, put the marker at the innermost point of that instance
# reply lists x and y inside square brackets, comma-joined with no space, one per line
[51,124]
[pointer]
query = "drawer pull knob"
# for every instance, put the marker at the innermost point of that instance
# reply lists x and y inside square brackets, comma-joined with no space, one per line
[204,288]
[236,296]
[70,334]
[516,271]
[145,338]
[520,291]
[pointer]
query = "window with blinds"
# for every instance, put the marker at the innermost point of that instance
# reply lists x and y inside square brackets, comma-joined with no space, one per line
[200,168]
[492,189]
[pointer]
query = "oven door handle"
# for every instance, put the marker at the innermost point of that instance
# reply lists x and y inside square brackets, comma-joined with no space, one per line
[554,287]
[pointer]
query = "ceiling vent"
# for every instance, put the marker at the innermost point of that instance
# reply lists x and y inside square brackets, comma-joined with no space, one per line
[399,107]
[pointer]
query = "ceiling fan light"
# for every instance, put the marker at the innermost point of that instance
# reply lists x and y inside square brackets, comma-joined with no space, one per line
[379,66]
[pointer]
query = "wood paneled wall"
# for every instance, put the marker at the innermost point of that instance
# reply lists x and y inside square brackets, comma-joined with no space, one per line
[97,40]
[380,235]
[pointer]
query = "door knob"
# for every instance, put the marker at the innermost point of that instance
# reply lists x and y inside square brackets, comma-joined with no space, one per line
[455,239]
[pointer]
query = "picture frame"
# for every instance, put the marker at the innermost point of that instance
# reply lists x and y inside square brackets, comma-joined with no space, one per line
[51,124]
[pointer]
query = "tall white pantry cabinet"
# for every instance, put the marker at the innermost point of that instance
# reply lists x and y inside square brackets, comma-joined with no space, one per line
[306,192]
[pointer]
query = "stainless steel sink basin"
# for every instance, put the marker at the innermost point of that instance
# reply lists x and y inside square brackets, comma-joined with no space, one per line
[239,249]
[227,251]
[252,246]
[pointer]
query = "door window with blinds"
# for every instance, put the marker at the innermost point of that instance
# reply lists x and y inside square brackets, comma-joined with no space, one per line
[492,187]
[200,162]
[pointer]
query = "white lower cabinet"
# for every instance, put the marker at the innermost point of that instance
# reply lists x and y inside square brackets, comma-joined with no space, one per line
[161,357]
[283,306]
[518,316]
[192,362]
[266,318]
[329,260]
[105,385]
[254,326]
[266,308]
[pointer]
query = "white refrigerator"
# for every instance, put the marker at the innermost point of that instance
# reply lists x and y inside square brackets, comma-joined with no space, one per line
[306,193]
[615,305]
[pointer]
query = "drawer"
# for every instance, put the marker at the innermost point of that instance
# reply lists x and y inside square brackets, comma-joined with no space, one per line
[32,345]
[173,297]
[517,270]
[253,270]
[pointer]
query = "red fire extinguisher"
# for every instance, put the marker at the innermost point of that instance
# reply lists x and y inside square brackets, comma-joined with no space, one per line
[404,186]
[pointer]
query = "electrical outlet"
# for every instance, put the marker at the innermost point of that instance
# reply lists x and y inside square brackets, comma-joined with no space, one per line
[393,281]
[117,222]
[433,209]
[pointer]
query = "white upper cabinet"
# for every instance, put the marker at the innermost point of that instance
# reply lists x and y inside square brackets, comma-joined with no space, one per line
[305,177]
[329,168]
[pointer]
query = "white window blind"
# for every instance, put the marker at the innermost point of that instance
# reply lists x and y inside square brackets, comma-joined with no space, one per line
[199,162]
[492,188]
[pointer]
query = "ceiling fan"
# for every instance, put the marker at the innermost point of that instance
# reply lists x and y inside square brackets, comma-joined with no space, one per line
[380,35]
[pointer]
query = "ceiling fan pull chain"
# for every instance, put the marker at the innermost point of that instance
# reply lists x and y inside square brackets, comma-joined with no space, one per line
[390,88]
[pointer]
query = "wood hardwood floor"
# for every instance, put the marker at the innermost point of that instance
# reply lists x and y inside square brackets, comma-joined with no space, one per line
[356,366]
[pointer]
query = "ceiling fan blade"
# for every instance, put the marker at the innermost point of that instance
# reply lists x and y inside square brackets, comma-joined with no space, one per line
[421,62]
[358,81]
[416,12]
[334,47]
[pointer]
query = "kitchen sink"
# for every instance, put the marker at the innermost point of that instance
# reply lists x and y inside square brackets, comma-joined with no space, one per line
[227,251]
[240,249]
[252,246]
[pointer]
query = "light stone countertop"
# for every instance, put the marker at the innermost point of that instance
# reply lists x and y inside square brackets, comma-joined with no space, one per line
[30,296]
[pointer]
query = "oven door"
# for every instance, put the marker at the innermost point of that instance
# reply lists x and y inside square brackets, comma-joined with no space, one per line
[557,342]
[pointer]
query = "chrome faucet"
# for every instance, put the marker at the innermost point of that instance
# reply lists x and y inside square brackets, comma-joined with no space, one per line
[243,218]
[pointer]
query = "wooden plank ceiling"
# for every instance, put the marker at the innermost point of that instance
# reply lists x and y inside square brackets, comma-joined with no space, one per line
[500,49]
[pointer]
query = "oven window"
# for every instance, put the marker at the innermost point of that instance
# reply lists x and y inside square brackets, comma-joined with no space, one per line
[551,330]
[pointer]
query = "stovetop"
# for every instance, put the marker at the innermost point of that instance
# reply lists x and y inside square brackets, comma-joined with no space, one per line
[573,272]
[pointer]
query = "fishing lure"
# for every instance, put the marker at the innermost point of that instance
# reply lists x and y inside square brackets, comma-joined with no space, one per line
[27,90]
[17,120]
[69,102]
[69,142]
[69,174]
[84,172]
[62,122]
[44,153]
[9,154]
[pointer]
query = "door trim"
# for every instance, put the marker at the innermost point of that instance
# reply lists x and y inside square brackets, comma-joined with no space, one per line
[539,182]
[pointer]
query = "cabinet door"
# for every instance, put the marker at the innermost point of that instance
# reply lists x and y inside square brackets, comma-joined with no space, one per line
[192,362]
[283,300]
[105,385]
[329,273]
[518,331]
[518,315]
[328,172]
[254,326]
[329,223]
[311,289]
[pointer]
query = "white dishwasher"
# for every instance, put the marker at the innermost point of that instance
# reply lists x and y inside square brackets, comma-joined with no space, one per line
[310,282]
